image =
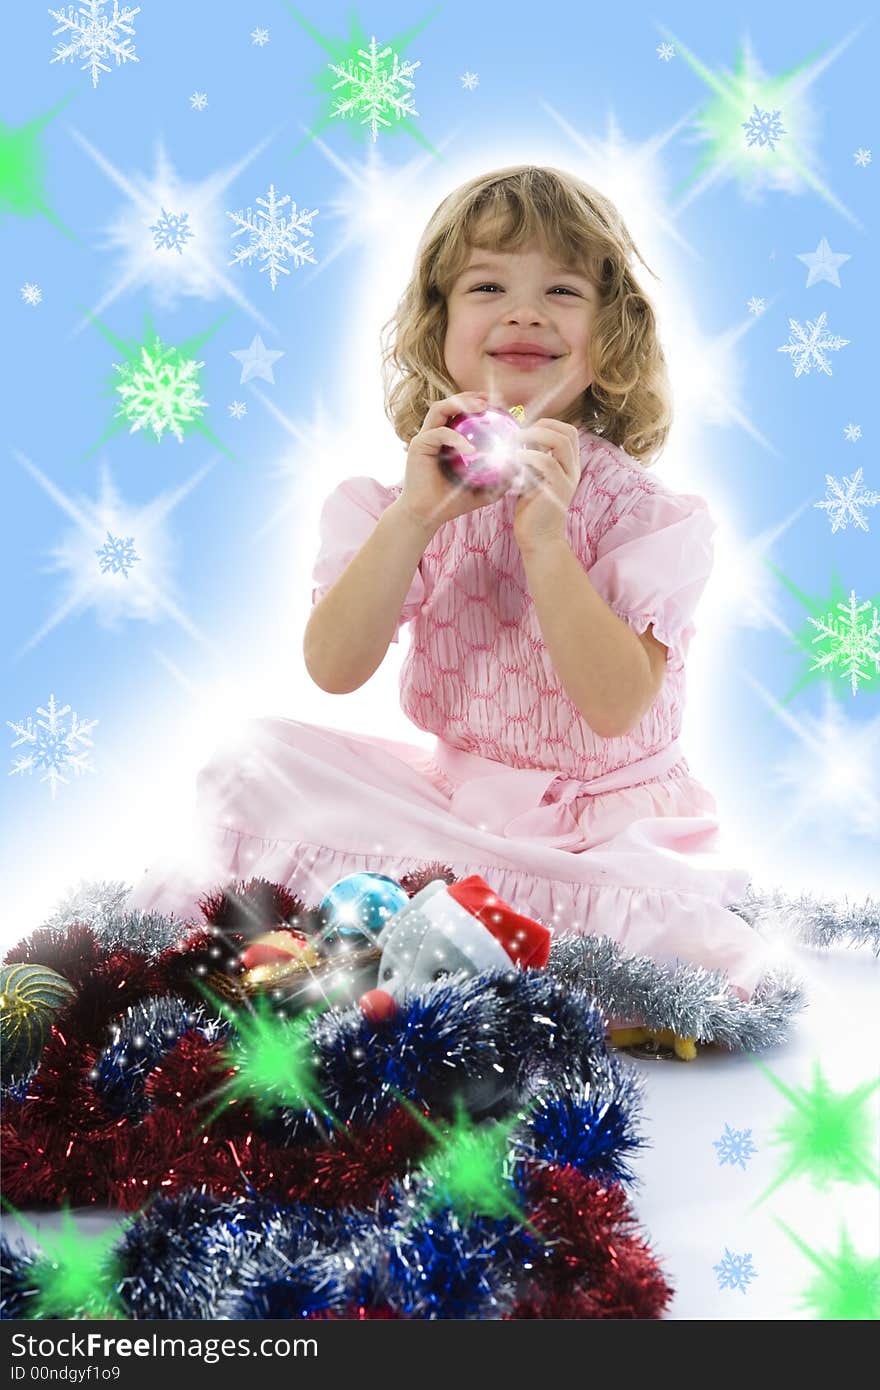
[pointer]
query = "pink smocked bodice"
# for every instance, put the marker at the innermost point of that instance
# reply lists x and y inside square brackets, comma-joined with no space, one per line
[477,672]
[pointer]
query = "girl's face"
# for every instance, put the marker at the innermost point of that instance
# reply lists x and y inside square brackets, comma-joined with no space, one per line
[507,299]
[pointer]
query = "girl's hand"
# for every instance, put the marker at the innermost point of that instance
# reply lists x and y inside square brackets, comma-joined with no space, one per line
[428,496]
[552,473]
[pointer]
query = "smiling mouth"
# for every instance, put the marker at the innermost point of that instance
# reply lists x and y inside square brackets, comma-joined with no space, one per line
[523,359]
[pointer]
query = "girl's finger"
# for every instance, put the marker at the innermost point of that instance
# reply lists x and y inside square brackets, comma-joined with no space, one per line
[537,456]
[442,434]
[466,402]
[558,442]
[539,434]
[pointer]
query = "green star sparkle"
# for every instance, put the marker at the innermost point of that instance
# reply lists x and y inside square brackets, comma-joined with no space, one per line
[841,636]
[22,170]
[470,1167]
[77,1274]
[734,96]
[827,1133]
[272,1059]
[848,1286]
[367,79]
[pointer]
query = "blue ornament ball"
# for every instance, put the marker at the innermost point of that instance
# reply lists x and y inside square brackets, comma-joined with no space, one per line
[360,904]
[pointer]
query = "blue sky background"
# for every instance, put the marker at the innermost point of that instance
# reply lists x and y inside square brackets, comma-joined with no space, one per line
[233,556]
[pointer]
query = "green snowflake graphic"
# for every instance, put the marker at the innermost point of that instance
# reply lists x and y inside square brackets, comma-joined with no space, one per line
[841,636]
[374,80]
[368,79]
[850,642]
[161,391]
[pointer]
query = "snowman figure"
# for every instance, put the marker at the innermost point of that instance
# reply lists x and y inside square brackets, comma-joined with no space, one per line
[457,929]
[451,929]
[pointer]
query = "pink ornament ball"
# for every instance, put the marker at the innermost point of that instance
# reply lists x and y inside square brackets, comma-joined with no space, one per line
[495,435]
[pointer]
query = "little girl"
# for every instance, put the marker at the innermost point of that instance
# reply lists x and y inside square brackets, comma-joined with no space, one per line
[550,621]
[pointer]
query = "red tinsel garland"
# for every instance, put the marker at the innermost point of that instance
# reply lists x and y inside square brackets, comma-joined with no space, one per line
[62,1145]
[52,1156]
[591,1229]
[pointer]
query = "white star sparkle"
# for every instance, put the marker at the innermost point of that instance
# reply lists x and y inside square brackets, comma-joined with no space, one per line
[256,361]
[793,166]
[822,264]
[201,273]
[377,200]
[145,592]
[831,776]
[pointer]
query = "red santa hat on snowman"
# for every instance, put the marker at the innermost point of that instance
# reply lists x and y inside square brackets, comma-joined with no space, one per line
[526,942]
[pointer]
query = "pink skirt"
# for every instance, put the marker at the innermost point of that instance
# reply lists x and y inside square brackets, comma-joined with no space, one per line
[633,855]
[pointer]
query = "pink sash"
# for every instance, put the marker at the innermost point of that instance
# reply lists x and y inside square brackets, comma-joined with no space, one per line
[508,800]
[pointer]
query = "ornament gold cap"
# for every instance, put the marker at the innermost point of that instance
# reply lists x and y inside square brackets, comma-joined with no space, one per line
[518,412]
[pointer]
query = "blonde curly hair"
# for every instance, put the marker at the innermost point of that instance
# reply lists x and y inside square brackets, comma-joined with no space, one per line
[629,401]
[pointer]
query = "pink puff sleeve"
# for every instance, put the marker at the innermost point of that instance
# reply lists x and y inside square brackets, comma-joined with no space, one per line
[653,565]
[347,518]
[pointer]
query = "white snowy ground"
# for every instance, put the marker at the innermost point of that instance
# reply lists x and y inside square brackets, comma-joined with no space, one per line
[694,1209]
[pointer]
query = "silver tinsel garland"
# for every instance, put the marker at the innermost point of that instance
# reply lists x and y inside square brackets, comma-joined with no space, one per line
[691,1001]
[687,999]
[822,922]
[100,904]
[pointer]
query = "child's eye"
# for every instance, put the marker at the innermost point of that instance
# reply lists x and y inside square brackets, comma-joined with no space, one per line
[478,288]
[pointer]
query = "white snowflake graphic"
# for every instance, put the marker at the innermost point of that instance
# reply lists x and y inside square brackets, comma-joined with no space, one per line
[846,501]
[763,127]
[260,37]
[469,80]
[31,294]
[95,35]
[853,642]
[237,410]
[734,1146]
[756,306]
[665,51]
[374,87]
[808,346]
[272,239]
[735,1271]
[171,232]
[161,392]
[53,744]
[862,158]
[198,101]
[852,433]
[116,555]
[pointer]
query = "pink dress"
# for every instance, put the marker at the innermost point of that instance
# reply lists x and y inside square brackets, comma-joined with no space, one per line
[611,836]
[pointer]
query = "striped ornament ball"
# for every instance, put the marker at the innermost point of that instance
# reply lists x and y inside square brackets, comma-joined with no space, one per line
[30,996]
